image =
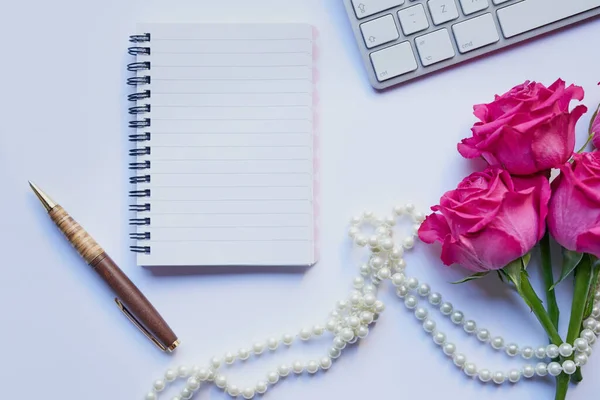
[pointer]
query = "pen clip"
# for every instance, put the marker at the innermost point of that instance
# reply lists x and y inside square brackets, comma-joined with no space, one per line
[139,326]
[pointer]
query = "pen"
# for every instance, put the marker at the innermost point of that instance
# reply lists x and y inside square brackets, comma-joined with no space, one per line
[129,298]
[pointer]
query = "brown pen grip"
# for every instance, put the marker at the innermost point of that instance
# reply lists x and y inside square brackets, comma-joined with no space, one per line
[135,302]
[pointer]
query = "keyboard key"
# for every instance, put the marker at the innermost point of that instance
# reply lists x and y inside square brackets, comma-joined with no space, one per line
[472,6]
[475,33]
[413,19]
[442,11]
[393,61]
[379,31]
[364,8]
[531,14]
[434,47]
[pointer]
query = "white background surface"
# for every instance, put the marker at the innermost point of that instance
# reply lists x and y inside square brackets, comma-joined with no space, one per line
[63,125]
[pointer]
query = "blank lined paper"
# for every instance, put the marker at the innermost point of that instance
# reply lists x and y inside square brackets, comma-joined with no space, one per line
[230,145]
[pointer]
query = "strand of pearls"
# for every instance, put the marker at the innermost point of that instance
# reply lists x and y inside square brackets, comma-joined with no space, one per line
[351,318]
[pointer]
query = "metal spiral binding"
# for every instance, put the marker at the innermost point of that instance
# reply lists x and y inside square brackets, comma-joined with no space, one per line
[140,137]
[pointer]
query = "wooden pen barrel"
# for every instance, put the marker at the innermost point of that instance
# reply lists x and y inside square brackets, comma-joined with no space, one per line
[137,307]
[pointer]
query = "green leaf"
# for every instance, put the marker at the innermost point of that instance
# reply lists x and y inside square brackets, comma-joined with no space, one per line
[525,259]
[477,275]
[570,260]
[594,281]
[500,276]
[513,272]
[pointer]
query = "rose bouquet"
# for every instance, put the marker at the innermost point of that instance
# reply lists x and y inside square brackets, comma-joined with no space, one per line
[535,187]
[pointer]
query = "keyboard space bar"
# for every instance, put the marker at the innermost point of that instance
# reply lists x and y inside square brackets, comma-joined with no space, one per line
[532,14]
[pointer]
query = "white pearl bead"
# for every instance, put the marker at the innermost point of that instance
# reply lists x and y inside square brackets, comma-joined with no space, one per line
[596,311]
[384,273]
[514,375]
[297,367]
[439,338]
[499,377]
[186,393]
[401,264]
[341,305]
[376,262]
[211,375]
[347,334]
[409,207]
[258,347]
[151,396]
[459,360]
[528,371]
[589,323]
[435,299]
[369,299]
[581,359]
[421,313]
[470,369]
[527,352]
[540,352]
[512,349]
[588,335]
[360,240]
[373,241]
[353,231]
[288,339]
[398,279]
[554,368]
[396,253]
[378,307]
[330,326]
[334,353]
[272,377]
[312,367]
[193,383]
[284,370]
[410,301]
[170,375]
[588,351]
[159,385]
[366,317]
[457,317]
[176,398]
[485,375]
[202,374]
[597,296]
[470,326]
[357,219]
[243,354]
[325,363]
[305,334]
[449,348]
[483,335]
[339,343]
[233,390]
[581,344]
[541,369]
[418,216]
[415,229]
[569,367]
[497,342]
[565,349]
[220,381]
[386,244]
[552,351]
[359,282]
[389,220]
[446,308]
[365,270]
[362,331]
[229,358]
[408,242]
[261,387]
[248,393]
[399,210]
[183,371]
[412,283]
[429,325]
[402,291]
[215,362]
[354,321]
[424,290]
[369,289]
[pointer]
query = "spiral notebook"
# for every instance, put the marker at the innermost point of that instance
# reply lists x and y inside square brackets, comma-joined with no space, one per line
[223,133]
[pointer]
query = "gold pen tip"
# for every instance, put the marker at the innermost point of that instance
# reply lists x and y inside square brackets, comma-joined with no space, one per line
[46,201]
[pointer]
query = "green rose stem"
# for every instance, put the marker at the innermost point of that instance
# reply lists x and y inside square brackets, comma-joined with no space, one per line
[583,278]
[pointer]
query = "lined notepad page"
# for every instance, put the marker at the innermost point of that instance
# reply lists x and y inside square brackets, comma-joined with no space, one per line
[231,159]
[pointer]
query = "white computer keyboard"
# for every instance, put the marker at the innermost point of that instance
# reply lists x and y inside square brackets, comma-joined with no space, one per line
[401,40]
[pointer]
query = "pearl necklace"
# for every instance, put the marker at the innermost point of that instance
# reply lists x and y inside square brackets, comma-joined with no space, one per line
[351,319]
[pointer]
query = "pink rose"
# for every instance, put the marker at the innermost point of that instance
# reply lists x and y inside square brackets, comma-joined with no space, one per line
[574,210]
[489,220]
[527,130]
[595,128]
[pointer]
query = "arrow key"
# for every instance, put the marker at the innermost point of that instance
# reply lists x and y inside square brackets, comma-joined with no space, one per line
[379,31]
